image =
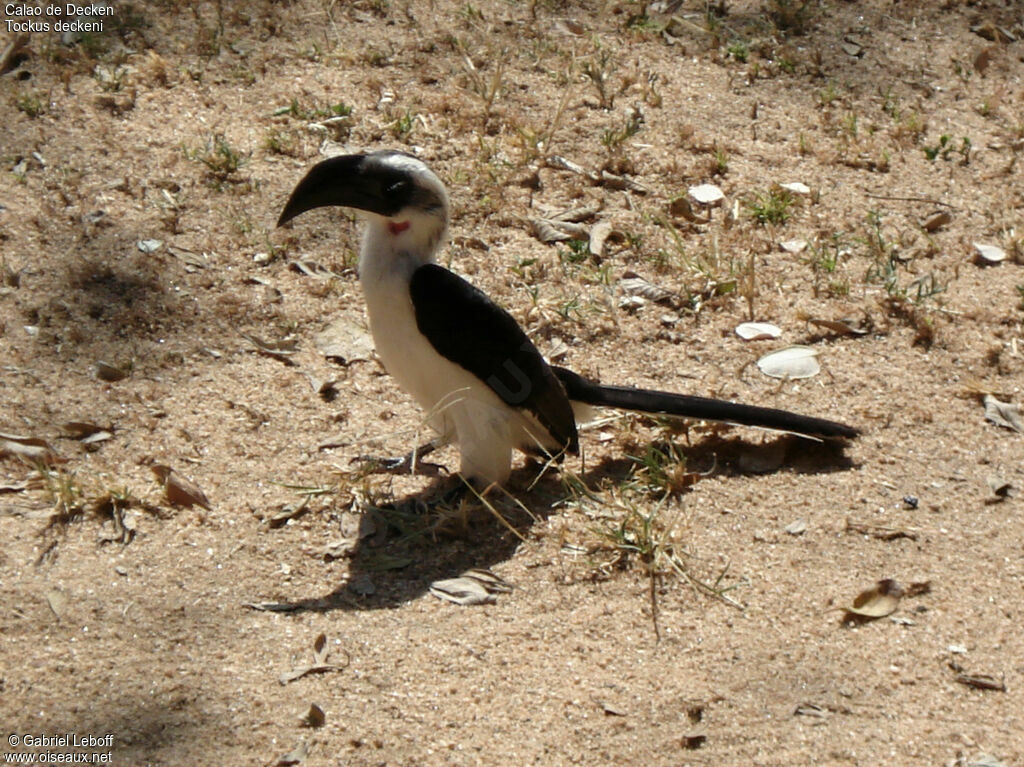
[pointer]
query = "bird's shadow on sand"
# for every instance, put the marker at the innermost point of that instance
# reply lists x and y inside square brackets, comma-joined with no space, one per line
[411,543]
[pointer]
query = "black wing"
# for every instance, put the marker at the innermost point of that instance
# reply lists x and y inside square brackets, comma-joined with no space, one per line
[468,328]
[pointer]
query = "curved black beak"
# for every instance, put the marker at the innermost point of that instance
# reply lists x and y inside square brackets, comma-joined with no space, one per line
[352,181]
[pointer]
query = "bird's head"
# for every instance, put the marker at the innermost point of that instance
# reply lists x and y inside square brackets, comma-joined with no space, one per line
[404,199]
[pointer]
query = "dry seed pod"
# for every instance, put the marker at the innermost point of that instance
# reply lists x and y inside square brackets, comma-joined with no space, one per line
[879,601]
[792,362]
[757,331]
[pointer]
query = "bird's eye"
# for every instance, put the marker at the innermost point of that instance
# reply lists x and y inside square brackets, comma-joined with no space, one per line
[398,189]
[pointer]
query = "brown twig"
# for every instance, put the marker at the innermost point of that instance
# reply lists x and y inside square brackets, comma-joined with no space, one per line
[911,199]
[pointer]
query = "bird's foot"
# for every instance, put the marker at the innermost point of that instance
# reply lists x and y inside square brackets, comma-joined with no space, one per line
[409,463]
[453,496]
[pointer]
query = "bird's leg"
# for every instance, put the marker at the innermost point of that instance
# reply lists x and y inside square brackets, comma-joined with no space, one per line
[410,463]
[453,496]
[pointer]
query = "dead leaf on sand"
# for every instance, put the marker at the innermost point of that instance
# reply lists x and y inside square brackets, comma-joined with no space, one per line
[296,756]
[318,666]
[344,341]
[1001,489]
[473,587]
[790,363]
[843,327]
[1004,414]
[58,602]
[110,373]
[179,490]
[877,602]
[88,434]
[979,681]
[34,449]
[633,284]
[281,349]
[757,331]
[881,532]
[315,717]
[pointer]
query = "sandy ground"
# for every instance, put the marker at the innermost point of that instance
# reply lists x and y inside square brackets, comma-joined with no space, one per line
[678,594]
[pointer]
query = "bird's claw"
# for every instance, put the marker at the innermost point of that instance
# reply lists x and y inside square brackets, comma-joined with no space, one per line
[406,464]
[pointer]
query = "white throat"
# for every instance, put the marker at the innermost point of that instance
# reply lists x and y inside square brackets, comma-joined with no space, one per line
[393,248]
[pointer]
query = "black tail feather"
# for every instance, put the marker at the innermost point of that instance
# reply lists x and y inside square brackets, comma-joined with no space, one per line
[580,389]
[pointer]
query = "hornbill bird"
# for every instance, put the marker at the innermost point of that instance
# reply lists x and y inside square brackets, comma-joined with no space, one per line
[462,357]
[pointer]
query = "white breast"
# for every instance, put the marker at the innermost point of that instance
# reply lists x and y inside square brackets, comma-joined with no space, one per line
[456,403]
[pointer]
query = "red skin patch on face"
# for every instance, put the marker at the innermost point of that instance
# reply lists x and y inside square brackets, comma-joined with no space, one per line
[397,227]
